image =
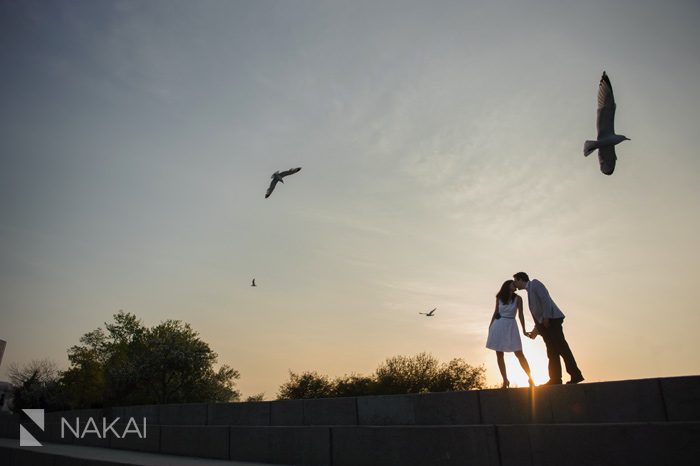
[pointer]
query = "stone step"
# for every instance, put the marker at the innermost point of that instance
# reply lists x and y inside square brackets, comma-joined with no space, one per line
[647,443]
[11,454]
[641,444]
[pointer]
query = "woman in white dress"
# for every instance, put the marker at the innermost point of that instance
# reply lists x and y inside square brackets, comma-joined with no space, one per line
[504,336]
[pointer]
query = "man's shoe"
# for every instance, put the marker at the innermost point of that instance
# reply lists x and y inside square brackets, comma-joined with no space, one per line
[552,382]
[577,379]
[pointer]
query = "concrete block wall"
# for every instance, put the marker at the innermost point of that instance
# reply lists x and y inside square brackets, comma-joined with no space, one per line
[645,400]
[200,441]
[415,446]
[476,427]
[9,426]
[681,398]
[643,444]
[251,414]
[608,444]
[285,444]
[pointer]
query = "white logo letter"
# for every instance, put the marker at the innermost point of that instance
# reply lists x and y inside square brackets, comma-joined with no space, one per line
[76,432]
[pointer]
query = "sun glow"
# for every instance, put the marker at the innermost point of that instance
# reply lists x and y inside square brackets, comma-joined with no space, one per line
[536,355]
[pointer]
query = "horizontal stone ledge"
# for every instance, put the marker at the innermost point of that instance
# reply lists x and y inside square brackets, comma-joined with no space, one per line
[605,402]
[301,445]
[199,441]
[640,444]
[415,445]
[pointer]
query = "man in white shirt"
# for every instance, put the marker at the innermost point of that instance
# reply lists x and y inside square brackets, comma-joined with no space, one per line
[548,323]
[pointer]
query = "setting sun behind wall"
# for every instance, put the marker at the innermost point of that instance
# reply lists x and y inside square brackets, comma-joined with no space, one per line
[536,355]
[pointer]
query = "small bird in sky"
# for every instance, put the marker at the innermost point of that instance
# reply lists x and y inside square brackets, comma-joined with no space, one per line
[253,284]
[429,314]
[607,139]
[277,176]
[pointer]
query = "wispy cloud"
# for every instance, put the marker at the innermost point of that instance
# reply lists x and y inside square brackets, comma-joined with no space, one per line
[353,221]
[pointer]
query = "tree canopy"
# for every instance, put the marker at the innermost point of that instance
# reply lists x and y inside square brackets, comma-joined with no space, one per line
[397,375]
[37,385]
[127,363]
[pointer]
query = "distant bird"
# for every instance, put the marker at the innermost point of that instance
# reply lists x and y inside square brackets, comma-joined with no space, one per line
[253,284]
[277,176]
[607,139]
[429,314]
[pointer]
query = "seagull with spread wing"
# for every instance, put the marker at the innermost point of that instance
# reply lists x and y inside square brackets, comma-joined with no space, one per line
[277,176]
[429,314]
[607,139]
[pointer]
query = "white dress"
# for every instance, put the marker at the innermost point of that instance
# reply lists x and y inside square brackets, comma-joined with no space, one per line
[503,333]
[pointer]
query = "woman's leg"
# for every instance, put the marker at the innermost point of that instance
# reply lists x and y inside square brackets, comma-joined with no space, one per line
[502,368]
[526,367]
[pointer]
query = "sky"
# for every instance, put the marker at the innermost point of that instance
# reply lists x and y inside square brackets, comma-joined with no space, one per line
[441,152]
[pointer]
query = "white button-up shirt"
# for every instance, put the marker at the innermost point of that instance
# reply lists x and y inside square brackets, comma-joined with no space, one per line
[540,303]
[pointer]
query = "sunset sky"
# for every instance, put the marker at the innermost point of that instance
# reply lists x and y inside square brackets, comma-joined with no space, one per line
[441,145]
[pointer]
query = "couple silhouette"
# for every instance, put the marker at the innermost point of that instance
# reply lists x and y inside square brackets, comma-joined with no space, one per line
[504,336]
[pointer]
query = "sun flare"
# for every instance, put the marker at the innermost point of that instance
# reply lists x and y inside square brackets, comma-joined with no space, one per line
[537,359]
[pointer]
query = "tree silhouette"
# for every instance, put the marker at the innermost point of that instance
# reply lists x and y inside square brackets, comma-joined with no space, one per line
[129,363]
[397,375]
[36,385]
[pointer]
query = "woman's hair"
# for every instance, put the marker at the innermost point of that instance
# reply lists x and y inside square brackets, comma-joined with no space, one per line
[505,295]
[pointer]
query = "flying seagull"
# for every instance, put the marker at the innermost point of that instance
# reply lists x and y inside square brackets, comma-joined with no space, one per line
[607,139]
[429,314]
[277,176]
[253,284]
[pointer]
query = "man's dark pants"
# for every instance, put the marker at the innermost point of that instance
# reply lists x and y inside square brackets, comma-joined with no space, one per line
[558,347]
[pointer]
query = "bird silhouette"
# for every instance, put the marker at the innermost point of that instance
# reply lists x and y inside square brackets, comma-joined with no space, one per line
[253,284]
[607,139]
[429,314]
[277,176]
